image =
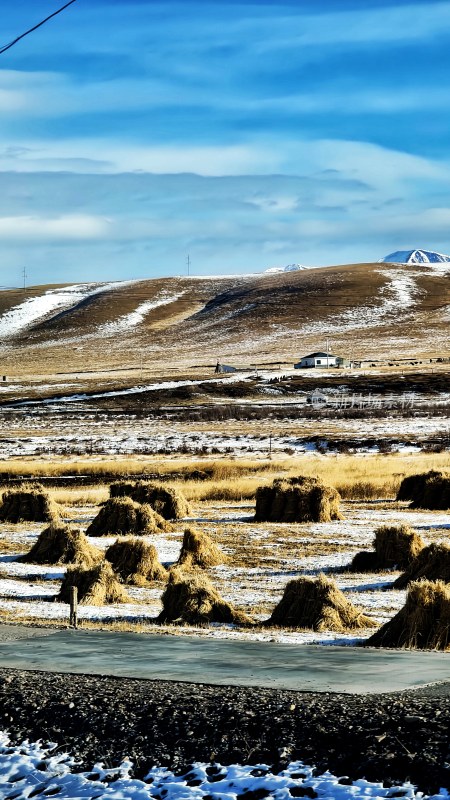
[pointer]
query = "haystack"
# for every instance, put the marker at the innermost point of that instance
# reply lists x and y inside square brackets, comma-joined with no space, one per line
[167,501]
[96,586]
[432,563]
[124,516]
[424,621]
[28,503]
[199,550]
[193,599]
[426,490]
[61,544]
[317,604]
[135,561]
[395,547]
[297,500]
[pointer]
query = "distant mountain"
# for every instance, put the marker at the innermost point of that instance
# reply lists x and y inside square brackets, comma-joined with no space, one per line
[289,268]
[415,257]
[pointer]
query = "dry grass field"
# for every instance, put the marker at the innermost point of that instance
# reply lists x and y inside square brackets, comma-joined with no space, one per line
[261,557]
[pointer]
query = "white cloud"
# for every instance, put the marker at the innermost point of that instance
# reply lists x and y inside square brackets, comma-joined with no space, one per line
[70,227]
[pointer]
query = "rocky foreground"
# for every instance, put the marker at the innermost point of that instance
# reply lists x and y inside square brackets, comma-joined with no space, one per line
[390,738]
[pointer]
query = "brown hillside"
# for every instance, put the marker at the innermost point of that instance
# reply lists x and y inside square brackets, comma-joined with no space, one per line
[242,320]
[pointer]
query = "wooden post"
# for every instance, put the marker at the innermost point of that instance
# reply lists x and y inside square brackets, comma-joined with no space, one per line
[73,607]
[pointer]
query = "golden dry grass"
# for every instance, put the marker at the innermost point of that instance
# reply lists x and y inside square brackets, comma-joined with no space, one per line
[96,586]
[193,599]
[135,561]
[61,544]
[317,604]
[199,550]
[424,621]
[355,477]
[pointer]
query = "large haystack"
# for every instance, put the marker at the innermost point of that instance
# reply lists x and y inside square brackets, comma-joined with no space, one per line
[135,561]
[297,500]
[28,503]
[193,599]
[424,621]
[199,550]
[317,604]
[426,490]
[395,547]
[167,501]
[124,516]
[97,586]
[432,563]
[61,544]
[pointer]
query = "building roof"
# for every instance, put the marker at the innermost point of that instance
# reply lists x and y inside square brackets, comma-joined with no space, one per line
[319,355]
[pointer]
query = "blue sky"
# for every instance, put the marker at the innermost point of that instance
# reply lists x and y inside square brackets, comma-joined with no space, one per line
[248,135]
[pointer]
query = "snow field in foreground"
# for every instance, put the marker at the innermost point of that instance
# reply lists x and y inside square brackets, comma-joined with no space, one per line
[263,557]
[31,768]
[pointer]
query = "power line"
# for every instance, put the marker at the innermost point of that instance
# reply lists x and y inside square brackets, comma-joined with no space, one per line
[34,28]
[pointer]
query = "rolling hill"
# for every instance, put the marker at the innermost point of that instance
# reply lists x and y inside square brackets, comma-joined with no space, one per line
[367,311]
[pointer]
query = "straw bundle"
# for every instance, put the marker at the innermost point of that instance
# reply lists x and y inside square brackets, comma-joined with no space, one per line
[28,503]
[298,499]
[432,563]
[193,599]
[97,586]
[317,604]
[61,544]
[135,561]
[166,500]
[395,547]
[426,490]
[199,550]
[124,516]
[424,621]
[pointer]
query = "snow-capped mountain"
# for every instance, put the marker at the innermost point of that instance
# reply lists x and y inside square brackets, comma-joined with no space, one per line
[415,257]
[289,268]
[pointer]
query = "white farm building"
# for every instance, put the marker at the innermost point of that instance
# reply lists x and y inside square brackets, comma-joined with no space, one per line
[319,360]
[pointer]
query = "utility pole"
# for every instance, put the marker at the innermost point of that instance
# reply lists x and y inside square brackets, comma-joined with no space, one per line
[24,277]
[188,263]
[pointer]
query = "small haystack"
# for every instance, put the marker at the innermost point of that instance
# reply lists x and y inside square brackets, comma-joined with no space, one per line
[193,599]
[124,516]
[429,490]
[317,604]
[61,544]
[166,500]
[424,621]
[432,564]
[199,550]
[395,547]
[28,503]
[97,586]
[135,561]
[297,500]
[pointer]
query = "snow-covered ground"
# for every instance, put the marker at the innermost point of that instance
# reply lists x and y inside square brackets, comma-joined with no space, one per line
[40,770]
[37,309]
[400,292]
[91,433]
[263,557]
[128,321]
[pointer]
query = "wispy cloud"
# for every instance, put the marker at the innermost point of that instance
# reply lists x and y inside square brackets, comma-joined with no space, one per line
[133,132]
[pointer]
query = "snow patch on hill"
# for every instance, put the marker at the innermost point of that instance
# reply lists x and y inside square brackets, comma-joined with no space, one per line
[399,295]
[136,317]
[38,309]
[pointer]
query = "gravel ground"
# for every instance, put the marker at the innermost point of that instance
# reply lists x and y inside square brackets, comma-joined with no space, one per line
[389,738]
